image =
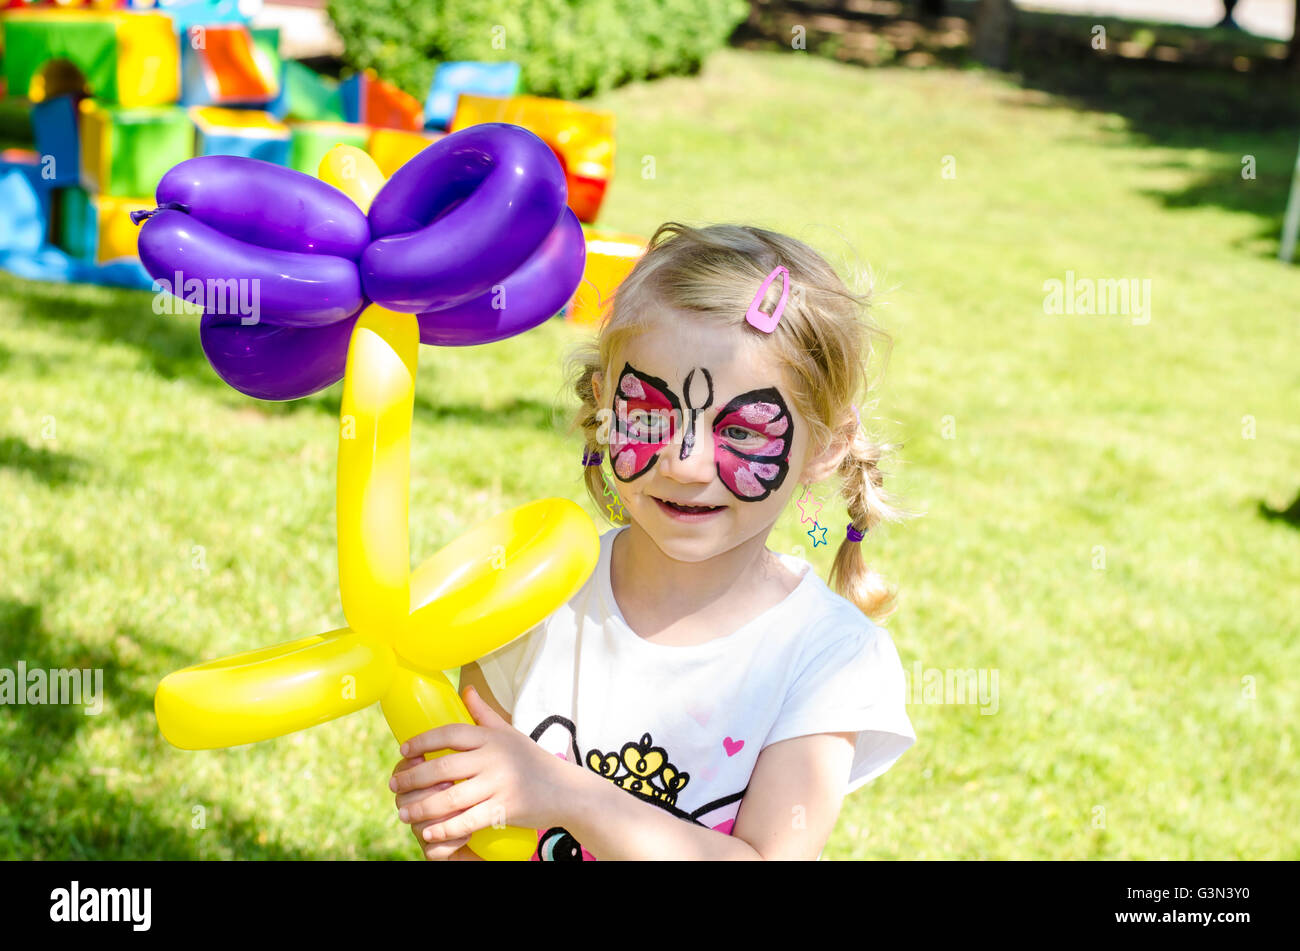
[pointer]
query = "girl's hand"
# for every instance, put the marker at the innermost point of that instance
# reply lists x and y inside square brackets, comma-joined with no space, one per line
[449,849]
[500,777]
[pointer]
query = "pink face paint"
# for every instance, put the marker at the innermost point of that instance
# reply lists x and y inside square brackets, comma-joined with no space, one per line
[645,419]
[752,437]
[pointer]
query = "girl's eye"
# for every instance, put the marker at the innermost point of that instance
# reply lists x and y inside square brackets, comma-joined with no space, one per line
[645,424]
[737,433]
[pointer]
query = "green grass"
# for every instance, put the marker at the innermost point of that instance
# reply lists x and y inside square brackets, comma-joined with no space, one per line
[1121,688]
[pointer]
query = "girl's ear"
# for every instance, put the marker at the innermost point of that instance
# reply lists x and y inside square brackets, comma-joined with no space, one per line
[823,465]
[597,379]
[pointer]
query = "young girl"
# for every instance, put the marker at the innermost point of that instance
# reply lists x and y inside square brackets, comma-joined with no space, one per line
[701,696]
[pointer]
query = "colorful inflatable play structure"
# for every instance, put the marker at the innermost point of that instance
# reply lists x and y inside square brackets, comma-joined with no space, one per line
[121,92]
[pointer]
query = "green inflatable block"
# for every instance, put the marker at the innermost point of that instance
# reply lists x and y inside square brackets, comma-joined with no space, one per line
[306,96]
[125,152]
[124,57]
[311,140]
[89,45]
[76,223]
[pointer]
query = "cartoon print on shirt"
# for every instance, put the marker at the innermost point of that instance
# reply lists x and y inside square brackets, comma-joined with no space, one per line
[753,434]
[640,768]
[644,763]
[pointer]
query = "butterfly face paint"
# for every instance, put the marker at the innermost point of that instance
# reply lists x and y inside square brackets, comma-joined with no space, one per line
[645,421]
[752,435]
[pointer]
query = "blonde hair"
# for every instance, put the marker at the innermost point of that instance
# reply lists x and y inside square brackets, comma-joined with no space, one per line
[824,338]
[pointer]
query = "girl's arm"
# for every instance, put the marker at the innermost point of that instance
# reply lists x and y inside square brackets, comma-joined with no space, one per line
[788,812]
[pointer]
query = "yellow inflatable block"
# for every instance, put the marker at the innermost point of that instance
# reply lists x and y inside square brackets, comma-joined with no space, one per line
[610,258]
[148,60]
[118,234]
[393,148]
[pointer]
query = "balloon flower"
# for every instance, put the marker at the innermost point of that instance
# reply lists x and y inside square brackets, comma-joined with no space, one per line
[468,243]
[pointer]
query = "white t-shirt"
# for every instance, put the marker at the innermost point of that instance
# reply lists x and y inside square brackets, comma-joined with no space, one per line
[682,726]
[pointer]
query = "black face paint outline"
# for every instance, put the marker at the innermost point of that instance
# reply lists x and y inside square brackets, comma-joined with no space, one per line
[688,438]
[663,387]
[768,394]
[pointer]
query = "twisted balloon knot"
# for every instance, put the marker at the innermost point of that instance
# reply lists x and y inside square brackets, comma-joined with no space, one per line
[139,216]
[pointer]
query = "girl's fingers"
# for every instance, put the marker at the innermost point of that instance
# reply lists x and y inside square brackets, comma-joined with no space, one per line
[406,763]
[454,766]
[443,851]
[480,816]
[453,736]
[449,802]
[414,795]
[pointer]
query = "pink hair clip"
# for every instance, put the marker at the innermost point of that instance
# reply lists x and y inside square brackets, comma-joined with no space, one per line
[758,319]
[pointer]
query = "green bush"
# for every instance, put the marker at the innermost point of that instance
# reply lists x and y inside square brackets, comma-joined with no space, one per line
[566,48]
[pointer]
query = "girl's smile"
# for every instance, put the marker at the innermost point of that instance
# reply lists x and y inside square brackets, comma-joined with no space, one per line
[688,513]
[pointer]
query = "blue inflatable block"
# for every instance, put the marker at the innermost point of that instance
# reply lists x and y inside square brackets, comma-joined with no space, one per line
[279,106]
[268,150]
[23,223]
[187,13]
[478,79]
[124,272]
[47,264]
[30,172]
[350,92]
[54,123]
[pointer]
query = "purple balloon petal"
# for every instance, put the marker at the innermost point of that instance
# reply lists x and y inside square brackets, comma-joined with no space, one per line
[461,217]
[528,297]
[232,279]
[277,363]
[267,205]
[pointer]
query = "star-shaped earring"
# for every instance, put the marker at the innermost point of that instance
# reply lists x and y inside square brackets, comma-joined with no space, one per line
[807,498]
[811,535]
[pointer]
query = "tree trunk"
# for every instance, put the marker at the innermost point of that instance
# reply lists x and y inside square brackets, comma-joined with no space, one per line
[1293,51]
[993,22]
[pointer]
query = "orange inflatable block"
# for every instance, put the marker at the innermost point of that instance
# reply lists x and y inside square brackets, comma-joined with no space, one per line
[393,148]
[610,257]
[582,138]
[223,65]
[369,100]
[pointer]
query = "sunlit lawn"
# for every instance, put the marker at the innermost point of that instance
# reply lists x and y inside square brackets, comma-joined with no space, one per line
[1094,531]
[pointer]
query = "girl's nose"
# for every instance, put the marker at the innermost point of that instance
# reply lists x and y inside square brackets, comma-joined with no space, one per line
[697,466]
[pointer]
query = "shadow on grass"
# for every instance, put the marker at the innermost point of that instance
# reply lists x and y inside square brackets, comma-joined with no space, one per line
[79,816]
[1225,92]
[52,468]
[171,347]
[1290,514]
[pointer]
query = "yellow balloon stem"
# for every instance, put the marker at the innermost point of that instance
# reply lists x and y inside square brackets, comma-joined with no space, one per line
[418,701]
[374,470]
